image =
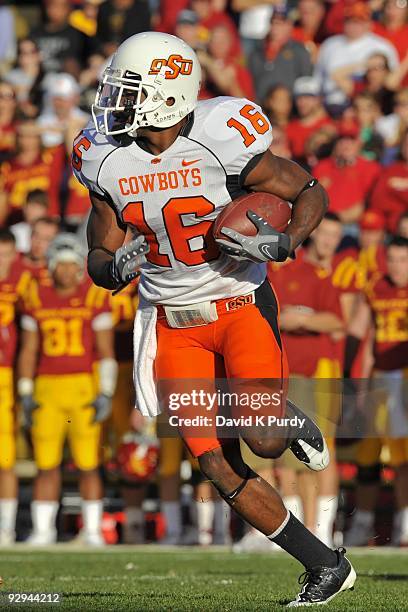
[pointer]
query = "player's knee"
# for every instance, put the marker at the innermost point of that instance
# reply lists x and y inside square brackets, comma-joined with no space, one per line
[212,463]
[88,472]
[369,474]
[270,448]
[48,474]
[87,465]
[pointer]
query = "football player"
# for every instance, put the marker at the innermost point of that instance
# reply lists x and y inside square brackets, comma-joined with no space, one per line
[385,310]
[13,285]
[158,160]
[57,391]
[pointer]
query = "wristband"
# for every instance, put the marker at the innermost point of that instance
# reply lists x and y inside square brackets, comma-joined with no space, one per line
[25,386]
[108,376]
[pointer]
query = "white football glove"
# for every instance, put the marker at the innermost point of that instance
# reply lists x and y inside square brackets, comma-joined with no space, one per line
[103,408]
[127,260]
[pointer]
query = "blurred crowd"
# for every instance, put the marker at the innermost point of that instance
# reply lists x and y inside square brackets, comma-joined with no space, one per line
[332,77]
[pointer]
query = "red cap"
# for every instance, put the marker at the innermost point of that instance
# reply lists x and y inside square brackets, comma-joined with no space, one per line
[372,220]
[357,10]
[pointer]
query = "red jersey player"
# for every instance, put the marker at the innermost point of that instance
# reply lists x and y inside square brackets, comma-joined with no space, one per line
[13,285]
[385,309]
[57,390]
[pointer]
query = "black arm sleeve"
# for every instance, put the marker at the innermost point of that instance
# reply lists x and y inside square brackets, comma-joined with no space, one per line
[100,268]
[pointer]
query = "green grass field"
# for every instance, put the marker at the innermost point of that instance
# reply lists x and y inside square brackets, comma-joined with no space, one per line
[152,579]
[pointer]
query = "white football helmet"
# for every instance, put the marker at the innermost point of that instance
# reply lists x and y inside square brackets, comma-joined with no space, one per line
[65,248]
[152,81]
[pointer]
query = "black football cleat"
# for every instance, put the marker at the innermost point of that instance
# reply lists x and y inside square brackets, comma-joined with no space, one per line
[322,584]
[308,445]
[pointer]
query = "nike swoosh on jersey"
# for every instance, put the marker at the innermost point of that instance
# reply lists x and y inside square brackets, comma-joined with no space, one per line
[188,163]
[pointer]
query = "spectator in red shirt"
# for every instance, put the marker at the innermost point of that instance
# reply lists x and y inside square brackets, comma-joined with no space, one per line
[390,195]
[224,75]
[211,14]
[168,12]
[347,177]
[312,115]
[29,168]
[309,29]
[393,26]
[8,106]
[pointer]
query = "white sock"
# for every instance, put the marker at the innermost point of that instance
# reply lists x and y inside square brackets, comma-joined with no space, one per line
[293,503]
[43,515]
[172,514]
[134,516]
[403,523]
[222,514]
[365,518]
[205,516]
[92,515]
[326,515]
[8,512]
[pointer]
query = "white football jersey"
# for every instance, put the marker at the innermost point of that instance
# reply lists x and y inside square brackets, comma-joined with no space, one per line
[173,198]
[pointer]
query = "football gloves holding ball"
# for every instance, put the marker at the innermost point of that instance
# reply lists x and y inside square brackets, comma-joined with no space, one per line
[266,245]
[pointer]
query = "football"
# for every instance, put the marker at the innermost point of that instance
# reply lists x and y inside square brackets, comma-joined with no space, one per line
[274,210]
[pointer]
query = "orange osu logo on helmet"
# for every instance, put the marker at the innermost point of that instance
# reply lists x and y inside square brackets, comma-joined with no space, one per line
[176,63]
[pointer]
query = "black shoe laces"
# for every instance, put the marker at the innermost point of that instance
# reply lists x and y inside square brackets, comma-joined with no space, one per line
[312,578]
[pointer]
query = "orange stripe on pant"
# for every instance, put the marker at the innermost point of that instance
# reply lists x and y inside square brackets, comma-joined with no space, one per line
[241,344]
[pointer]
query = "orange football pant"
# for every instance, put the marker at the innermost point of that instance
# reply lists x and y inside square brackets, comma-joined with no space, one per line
[244,343]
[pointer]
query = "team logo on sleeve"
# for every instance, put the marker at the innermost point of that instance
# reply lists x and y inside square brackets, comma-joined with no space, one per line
[176,63]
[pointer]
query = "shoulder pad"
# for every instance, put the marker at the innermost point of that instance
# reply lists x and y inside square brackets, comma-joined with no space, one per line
[89,151]
[235,130]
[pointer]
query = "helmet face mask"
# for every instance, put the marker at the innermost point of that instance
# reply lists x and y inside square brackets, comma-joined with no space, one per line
[152,81]
[122,101]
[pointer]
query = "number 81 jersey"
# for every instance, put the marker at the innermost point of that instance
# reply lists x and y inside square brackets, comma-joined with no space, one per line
[173,198]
